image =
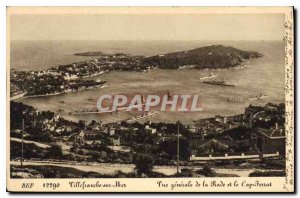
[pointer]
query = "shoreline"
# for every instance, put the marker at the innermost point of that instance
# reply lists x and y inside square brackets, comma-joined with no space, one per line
[55,94]
[20,96]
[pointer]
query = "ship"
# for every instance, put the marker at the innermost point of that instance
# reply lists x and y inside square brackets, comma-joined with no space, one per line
[258,97]
[218,82]
[138,117]
[235,99]
[211,75]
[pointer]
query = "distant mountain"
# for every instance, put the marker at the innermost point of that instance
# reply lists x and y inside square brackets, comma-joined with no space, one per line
[95,53]
[215,56]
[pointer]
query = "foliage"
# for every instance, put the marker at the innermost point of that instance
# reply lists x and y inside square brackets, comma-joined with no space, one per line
[143,163]
[54,152]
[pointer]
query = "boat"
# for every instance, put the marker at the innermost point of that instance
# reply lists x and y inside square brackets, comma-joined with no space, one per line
[239,67]
[60,110]
[90,99]
[211,75]
[218,82]
[62,101]
[258,97]
[235,99]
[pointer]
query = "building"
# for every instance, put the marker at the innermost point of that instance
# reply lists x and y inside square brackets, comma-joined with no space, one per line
[97,126]
[222,119]
[78,138]
[86,136]
[116,140]
[111,131]
[211,146]
[192,129]
[91,135]
[150,129]
[270,140]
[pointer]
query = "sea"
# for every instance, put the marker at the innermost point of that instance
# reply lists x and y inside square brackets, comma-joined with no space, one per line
[264,75]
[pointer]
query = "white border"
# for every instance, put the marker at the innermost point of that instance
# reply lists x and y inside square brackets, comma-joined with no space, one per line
[4,3]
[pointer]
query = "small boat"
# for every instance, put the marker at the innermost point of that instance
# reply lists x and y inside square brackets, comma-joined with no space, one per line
[235,99]
[60,110]
[258,97]
[90,99]
[239,67]
[211,75]
[62,101]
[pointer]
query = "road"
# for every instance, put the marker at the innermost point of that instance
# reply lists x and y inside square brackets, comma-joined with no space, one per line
[106,168]
[30,142]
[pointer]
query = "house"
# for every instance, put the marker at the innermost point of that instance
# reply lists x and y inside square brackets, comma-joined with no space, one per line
[91,135]
[46,121]
[221,119]
[70,76]
[98,126]
[116,140]
[150,130]
[59,130]
[111,131]
[163,138]
[56,118]
[123,149]
[153,130]
[86,136]
[91,142]
[192,128]
[211,146]
[52,128]
[68,128]
[270,140]
[78,138]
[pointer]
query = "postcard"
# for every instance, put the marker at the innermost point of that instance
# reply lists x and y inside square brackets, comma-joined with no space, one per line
[150,99]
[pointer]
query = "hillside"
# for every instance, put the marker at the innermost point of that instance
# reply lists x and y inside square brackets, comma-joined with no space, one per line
[94,53]
[215,56]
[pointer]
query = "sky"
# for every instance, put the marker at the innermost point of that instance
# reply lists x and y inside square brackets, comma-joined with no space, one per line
[147,27]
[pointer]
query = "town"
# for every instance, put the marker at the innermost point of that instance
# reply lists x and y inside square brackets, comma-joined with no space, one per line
[71,77]
[254,140]
[257,135]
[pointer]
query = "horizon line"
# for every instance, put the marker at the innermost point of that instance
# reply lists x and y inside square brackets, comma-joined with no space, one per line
[142,40]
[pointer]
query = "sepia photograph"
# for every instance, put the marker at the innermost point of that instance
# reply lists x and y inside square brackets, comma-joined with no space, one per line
[190,99]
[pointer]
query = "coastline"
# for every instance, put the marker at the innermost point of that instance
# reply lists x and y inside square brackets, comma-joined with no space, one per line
[18,96]
[96,74]
[55,94]
[21,96]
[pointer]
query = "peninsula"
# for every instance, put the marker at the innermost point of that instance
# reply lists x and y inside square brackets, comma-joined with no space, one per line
[94,53]
[211,57]
[70,77]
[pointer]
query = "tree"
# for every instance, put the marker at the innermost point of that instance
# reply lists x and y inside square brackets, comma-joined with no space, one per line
[207,171]
[93,122]
[81,124]
[54,152]
[169,146]
[143,163]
